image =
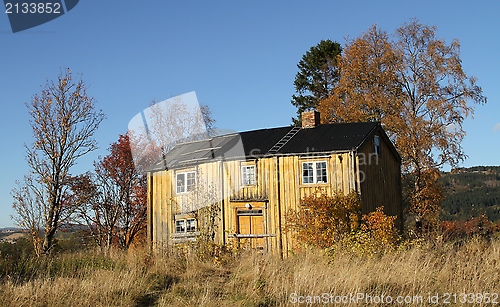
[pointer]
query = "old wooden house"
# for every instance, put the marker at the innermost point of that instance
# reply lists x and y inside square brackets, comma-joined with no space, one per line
[251,187]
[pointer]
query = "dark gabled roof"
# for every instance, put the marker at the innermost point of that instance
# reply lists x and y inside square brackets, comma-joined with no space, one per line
[258,143]
[334,137]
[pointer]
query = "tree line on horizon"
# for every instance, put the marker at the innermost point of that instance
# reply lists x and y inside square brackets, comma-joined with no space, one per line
[471,193]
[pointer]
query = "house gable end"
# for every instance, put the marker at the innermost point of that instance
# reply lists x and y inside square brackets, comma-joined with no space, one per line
[378,130]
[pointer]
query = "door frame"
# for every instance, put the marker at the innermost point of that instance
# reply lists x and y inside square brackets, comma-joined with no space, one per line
[249,206]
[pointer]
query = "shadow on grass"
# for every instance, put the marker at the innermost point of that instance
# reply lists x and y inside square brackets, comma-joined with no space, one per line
[163,283]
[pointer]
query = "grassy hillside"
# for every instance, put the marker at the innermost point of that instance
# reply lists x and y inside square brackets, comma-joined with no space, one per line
[471,192]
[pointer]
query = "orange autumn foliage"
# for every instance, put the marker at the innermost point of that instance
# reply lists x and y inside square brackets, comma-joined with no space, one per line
[382,232]
[324,220]
[476,226]
[335,223]
[415,85]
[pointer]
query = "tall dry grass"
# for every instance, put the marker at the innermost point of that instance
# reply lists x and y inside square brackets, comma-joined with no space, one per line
[253,279]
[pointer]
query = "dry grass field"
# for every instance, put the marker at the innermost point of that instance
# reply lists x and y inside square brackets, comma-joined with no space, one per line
[419,276]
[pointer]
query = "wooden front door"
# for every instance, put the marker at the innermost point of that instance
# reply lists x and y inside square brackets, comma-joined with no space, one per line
[250,226]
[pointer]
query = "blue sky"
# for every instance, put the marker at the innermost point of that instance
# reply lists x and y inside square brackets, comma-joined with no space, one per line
[239,56]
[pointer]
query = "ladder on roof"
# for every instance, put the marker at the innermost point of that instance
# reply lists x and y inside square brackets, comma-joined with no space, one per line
[290,134]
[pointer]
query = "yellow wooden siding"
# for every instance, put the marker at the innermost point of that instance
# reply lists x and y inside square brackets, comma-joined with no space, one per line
[278,189]
[291,191]
[380,181]
[341,177]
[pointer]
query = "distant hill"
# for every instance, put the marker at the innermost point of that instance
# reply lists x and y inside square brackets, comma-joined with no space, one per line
[471,192]
[10,229]
[11,234]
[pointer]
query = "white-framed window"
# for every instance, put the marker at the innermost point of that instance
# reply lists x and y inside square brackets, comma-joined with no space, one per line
[314,172]
[190,225]
[185,225]
[376,145]
[248,174]
[180,226]
[186,182]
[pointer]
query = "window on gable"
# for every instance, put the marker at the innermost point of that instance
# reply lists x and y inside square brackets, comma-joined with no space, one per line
[314,172]
[185,225]
[376,143]
[248,174]
[186,182]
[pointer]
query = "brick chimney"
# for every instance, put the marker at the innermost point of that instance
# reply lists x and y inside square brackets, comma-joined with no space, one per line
[310,119]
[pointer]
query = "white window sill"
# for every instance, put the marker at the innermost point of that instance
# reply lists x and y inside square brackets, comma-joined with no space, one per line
[184,236]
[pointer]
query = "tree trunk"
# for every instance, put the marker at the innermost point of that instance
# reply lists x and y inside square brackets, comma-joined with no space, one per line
[48,239]
[109,237]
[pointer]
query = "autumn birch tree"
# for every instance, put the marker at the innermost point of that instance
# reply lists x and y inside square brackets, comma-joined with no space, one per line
[415,85]
[63,120]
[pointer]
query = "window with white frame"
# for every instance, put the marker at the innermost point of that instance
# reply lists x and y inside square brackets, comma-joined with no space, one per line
[248,174]
[190,225]
[185,225]
[186,182]
[314,172]
[376,143]
[180,226]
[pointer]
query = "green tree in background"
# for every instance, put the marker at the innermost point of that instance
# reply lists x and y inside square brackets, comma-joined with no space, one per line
[317,75]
